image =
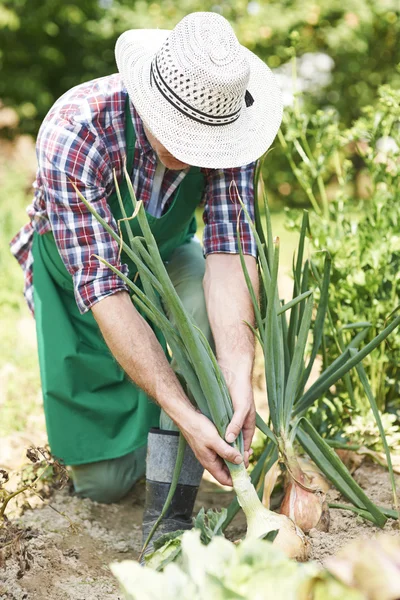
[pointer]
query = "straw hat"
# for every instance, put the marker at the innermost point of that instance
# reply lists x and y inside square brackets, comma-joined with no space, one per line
[210,101]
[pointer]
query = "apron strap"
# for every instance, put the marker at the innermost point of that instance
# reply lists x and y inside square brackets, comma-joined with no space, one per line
[130,135]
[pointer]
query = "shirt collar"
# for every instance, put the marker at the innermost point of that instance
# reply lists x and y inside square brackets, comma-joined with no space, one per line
[141,138]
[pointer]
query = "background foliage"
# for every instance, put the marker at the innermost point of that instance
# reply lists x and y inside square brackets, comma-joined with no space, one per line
[361,235]
[48,46]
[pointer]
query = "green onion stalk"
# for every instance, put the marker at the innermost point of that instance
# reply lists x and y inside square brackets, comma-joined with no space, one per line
[288,364]
[284,346]
[197,366]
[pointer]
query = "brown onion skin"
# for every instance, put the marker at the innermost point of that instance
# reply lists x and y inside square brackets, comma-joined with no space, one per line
[306,507]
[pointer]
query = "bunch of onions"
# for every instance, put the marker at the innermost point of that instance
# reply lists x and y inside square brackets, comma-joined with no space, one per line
[288,365]
[304,503]
[286,374]
[199,369]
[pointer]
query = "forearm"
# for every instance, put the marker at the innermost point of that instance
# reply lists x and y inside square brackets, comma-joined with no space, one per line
[136,348]
[229,306]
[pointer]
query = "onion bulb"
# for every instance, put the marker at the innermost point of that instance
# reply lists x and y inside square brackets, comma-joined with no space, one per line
[260,520]
[304,501]
[315,476]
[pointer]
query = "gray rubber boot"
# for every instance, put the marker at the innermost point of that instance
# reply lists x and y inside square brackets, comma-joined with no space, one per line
[162,451]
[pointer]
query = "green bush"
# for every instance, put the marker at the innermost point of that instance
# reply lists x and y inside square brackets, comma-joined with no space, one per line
[362,236]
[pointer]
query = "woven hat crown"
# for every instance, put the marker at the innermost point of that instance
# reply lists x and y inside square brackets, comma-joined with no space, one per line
[201,69]
[208,100]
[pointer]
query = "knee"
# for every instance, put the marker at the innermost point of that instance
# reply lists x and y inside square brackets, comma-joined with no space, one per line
[105,481]
[98,484]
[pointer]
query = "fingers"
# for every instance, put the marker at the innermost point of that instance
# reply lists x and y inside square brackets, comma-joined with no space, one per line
[236,425]
[213,458]
[211,450]
[249,427]
[243,420]
[220,471]
[226,452]
[246,424]
[247,455]
[215,465]
[244,415]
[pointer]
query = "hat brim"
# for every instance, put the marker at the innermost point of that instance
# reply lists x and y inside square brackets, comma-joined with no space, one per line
[198,144]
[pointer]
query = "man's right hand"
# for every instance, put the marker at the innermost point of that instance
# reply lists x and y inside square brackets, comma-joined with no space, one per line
[209,448]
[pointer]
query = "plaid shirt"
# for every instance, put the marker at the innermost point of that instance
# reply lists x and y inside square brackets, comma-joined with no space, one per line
[82,139]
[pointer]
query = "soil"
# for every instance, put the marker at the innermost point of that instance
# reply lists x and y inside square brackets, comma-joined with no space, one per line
[345,526]
[66,556]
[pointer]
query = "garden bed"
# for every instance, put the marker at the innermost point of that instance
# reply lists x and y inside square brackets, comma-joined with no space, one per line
[60,560]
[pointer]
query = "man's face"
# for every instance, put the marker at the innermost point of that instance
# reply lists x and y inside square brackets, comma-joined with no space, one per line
[169,161]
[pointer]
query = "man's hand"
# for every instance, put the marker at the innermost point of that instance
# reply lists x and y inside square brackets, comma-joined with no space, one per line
[208,447]
[244,416]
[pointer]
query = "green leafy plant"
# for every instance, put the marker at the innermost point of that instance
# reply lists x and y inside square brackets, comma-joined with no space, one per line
[362,237]
[363,431]
[168,547]
[363,570]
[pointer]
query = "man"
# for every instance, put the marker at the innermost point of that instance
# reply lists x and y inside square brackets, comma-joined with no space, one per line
[190,111]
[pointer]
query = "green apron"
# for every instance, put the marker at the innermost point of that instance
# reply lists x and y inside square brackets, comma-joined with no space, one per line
[93,411]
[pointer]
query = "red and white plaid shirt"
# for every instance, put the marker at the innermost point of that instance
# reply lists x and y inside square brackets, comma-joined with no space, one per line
[82,139]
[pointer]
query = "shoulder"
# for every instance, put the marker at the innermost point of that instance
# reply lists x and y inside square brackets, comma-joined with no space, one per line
[91,108]
[86,120]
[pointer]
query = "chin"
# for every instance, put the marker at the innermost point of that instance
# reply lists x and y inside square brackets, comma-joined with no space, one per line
[181,168]
[174,165]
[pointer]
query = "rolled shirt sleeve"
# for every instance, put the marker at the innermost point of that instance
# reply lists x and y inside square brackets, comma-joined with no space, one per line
[222,208]
[70,153]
